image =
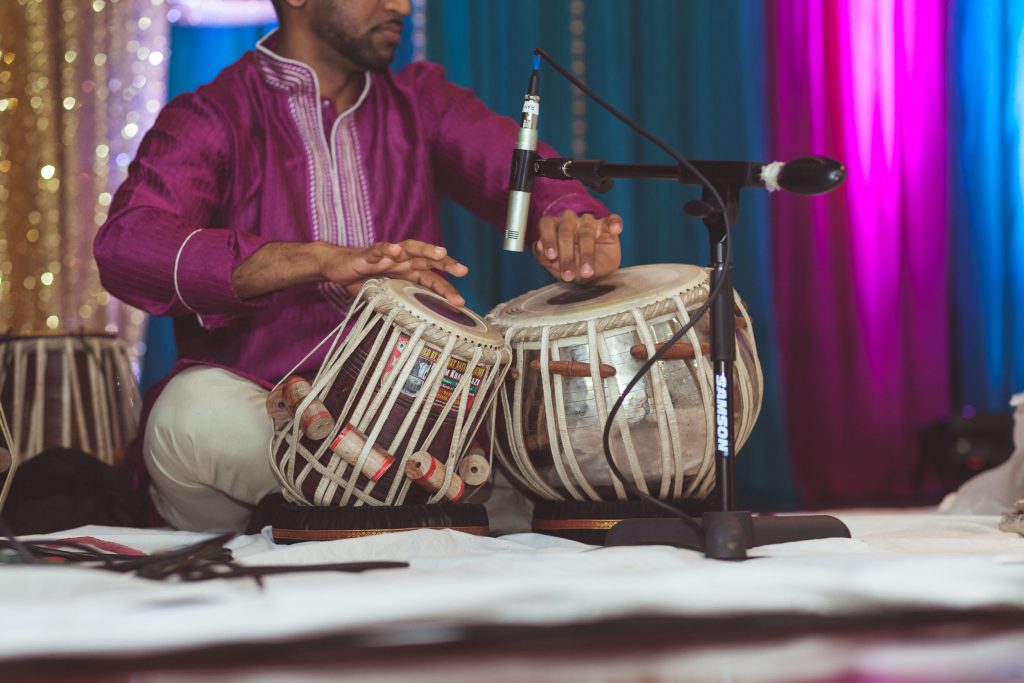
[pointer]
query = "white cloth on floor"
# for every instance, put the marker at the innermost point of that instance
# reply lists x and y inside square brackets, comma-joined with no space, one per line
[894,561]
[998,489]
[509,510]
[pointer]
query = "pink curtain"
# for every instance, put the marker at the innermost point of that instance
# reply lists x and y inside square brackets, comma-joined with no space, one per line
[861,274]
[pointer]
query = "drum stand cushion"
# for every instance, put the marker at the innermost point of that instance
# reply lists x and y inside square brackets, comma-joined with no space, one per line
[295,523]
[589,521]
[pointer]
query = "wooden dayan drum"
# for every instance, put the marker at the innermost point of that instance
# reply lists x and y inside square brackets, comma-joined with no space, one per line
[575,349]
[413,380]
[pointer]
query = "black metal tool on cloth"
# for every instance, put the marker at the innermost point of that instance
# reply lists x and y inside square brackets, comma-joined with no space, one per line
[208,559]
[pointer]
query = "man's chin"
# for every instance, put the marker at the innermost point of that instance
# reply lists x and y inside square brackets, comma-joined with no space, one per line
[379,68]
[380,65]
[370,57]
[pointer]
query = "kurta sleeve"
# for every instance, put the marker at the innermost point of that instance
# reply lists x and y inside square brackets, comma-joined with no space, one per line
[158,250]
[472,152]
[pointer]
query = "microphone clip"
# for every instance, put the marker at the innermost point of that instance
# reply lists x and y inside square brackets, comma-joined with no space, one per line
[586,171]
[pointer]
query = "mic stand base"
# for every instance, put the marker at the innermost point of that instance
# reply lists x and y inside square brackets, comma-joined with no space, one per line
[727,535]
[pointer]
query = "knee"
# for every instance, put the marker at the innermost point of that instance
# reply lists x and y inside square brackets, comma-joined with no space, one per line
[177,411]
[207,419]
[170,432]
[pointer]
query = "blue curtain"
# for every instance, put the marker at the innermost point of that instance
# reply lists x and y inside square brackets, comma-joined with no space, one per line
[987,104]
[692,72]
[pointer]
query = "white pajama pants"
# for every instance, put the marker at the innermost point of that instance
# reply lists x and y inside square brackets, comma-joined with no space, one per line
[207,449]
[998,489]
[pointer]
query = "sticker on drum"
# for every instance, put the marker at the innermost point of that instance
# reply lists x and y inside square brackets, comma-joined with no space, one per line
[421,371]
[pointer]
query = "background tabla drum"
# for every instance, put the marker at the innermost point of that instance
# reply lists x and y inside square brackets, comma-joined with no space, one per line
[75,390]
[575,349]
[8,459]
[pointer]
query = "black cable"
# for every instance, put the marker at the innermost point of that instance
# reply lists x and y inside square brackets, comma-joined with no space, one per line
[231,570]
[697,315]
[202,561]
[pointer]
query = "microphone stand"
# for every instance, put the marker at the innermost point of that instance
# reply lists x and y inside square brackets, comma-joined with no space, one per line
[728,532]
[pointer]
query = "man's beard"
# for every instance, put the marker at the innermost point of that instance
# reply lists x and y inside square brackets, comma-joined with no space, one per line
[360,51]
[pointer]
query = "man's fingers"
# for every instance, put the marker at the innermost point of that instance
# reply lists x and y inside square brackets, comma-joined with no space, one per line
[610,228]
[447,265]
[372,261]
[586,237]
[548,227]
[538,250]
[384,256]
[417,263]
[404,251]
[452,267]
[433,281]
[417,248]
[430,256]
[375,252]
[567,226]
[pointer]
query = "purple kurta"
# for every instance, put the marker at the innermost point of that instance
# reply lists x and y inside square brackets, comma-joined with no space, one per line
[258,156]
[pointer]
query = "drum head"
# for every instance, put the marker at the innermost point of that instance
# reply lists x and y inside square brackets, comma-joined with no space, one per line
[417,304]
[623,290]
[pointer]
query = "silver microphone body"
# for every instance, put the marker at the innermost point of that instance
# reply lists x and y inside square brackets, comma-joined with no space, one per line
[515,225]
[520,184]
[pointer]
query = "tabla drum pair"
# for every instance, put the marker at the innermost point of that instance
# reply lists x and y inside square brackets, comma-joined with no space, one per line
[377,440]
[416,375]
[575,349]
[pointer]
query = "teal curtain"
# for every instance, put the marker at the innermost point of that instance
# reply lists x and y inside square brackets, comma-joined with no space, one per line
[692,72]
[987,146]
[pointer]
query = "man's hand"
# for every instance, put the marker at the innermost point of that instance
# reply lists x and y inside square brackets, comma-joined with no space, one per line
[410,260]
[278,265]
[575,247]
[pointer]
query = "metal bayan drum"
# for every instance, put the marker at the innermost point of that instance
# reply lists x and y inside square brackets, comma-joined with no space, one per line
[414,375]
[575,349]
[71,390]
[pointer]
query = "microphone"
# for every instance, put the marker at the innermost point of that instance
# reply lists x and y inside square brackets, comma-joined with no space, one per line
[808,176]
[520,181]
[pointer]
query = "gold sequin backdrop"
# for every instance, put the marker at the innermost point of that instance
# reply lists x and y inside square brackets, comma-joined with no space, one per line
[80,82]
